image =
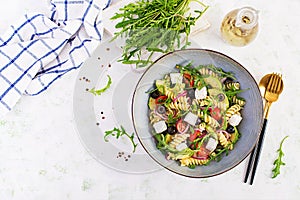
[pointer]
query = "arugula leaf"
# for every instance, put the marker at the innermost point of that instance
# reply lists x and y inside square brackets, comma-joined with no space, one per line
[117,132]
[100,91]
[218,156]
[162,145]
[233,92]
[278,162]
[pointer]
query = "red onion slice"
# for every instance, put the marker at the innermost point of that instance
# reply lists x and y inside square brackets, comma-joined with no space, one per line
[182,94]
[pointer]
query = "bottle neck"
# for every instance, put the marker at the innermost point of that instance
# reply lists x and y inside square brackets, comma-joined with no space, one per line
[247,18]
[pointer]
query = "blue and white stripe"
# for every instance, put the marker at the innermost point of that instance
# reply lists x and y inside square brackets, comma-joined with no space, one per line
[39,49]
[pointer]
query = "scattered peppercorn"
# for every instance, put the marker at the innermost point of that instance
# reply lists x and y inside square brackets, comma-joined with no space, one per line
[122,154]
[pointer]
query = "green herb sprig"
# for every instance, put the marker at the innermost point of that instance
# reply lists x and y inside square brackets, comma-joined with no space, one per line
[233,92]
[162,145]
[278,162]
[154,26]
[117,132]
[217,157]
[100,91]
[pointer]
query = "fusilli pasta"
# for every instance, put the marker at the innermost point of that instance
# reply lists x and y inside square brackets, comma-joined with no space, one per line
[210,121]
[222,139]
[177,139]
[193,161]
[232,85]
[232,110]
[153,117]
[205,71]
[238,100]
[180,104]
[202,102]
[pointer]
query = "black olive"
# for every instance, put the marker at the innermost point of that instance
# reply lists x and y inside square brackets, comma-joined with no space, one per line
[171,130]
[209,86]
[155,94]
[198,121]
[221,97]
[228,80]
[191,93]
[230,129]
[161,109]
[186,82]
[172,85]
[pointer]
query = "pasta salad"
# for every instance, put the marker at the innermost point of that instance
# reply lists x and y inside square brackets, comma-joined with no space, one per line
[194,114]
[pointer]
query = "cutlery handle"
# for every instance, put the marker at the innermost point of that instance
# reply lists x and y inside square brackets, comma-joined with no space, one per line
[258,150]
[250,163]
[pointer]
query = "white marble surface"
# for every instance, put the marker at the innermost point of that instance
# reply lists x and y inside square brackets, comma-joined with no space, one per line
[42,157]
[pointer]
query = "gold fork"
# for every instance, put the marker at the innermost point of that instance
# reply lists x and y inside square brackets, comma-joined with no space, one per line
[274,88]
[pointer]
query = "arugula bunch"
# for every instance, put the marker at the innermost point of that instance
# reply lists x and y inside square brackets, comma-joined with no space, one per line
[154,26]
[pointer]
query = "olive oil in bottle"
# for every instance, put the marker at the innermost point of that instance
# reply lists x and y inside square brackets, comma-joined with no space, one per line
[240,26]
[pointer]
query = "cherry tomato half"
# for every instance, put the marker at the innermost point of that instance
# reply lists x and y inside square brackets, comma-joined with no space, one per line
[187,76]
[216,113]
[203,153]
[161,99]
[188,79]
[194,135]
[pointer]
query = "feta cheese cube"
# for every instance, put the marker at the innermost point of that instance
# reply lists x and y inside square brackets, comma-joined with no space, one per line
[181,146]
[211,144]
[160,126]
[176,78]
[201,94]
[235,120]
[191,118]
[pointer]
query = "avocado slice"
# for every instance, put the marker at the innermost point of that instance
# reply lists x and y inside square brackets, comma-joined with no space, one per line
[160,84]
[220,96]
[168,138]
[151,103]
[234,136]
[213,82]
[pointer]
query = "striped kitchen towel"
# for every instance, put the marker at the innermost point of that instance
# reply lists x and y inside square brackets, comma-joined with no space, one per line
[39,48]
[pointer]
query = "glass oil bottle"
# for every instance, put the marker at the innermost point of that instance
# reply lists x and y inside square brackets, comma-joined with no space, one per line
[240,26]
